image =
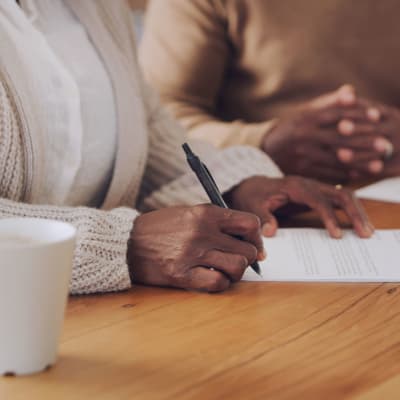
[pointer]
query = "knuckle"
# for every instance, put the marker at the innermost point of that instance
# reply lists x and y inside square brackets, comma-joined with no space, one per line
[296,183]
[253,255]
[300,150]
[354,215]
[347,195]
[303,164]
[253,222]
[250,254]
[199,211]
[247,222]
[239,265]
[218,283]
[174,275]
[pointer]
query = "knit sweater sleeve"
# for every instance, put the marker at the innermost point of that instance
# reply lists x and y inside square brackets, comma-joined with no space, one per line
[102,236]
[168,180]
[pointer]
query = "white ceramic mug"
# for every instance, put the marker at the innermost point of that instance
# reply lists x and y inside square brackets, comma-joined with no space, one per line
[35,268]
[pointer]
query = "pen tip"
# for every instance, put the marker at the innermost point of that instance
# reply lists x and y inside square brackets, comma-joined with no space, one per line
[187,149]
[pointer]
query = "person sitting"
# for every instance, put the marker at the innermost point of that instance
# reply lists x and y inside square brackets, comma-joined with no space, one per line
[84,140]
[312,84]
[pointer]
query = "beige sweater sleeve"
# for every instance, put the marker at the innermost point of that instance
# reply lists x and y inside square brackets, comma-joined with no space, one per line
[168,179]
[100,255]
[185,55]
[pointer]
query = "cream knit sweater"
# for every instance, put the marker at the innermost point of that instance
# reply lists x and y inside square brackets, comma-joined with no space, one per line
[150,171]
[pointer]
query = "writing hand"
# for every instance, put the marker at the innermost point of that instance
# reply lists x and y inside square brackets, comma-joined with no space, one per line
[193,247]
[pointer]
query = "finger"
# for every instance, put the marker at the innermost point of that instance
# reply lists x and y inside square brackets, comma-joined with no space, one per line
[346,200]
[347,95]
[269,224]
[230,264]
[372,143]
[344,95]
[234,245]
[361,163]
[319,160]
[333,115]
[245,225]
[373,114]
[370,168]
[323,207]
[317,152]
[375,111]
[204,279]
[347,127]
[353,158]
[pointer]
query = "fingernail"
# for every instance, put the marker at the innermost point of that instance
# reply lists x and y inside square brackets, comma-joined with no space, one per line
[375,166]
[371,228]
[337,233]
[345,155]
[373,114]
[368,229]
[347,97]
[346,127]
[347,87]
[267,229]
[262,255]
[381,144]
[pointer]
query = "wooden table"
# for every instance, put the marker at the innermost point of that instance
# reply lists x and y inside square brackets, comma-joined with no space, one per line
[256,341]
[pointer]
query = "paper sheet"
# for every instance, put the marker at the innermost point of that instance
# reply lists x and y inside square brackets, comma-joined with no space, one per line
[386,190]
[311,255]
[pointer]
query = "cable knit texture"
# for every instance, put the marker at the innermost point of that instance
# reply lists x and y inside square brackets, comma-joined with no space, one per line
[11,149]
[149,147]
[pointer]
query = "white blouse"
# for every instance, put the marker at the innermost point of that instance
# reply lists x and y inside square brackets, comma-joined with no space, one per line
[97,139]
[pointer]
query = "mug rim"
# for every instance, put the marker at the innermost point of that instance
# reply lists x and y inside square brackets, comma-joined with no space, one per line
[68,234]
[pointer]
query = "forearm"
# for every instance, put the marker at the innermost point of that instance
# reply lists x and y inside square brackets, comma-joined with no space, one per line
[229,168]
[203,125]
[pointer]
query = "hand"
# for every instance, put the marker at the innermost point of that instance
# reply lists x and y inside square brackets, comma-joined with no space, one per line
[383,133]
[193,247]
[308,142]
[263,196]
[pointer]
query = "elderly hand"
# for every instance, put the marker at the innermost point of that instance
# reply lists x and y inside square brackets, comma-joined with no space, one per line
[310,141]
[193,247]
[263,196]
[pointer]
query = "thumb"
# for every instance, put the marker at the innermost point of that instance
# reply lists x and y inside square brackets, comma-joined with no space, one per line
[269,224]
[343,96]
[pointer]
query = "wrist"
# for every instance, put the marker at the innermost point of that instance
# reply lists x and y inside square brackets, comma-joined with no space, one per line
[273,140]
[234,197]
[229,196]
[130,259]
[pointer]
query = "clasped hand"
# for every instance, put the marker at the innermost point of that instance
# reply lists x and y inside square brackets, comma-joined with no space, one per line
[337,137]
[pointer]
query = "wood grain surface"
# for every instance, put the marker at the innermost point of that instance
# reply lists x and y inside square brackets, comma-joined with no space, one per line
[256,341]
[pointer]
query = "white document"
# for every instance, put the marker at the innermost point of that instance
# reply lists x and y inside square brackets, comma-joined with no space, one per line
[307,254]
[386,190]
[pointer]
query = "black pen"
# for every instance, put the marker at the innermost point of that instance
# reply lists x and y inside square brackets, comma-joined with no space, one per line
[209,185]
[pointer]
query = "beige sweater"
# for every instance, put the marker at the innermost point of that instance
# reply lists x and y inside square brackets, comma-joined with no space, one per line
[230,67]
[150,170]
